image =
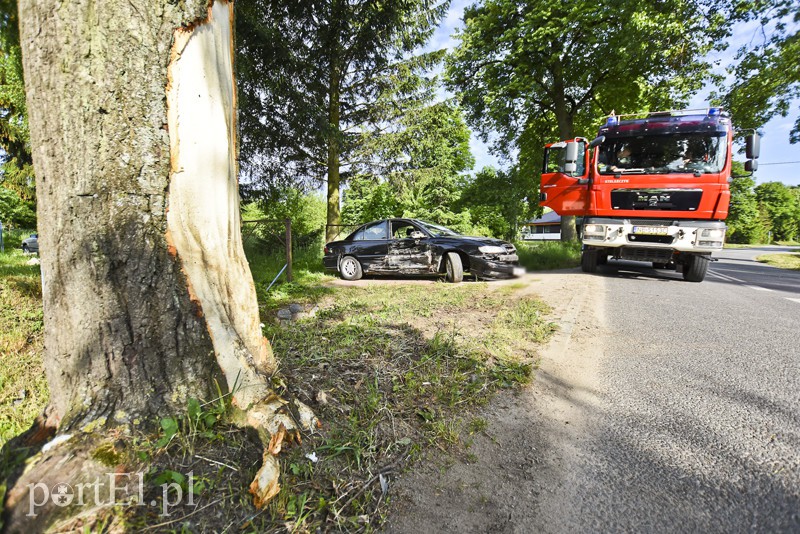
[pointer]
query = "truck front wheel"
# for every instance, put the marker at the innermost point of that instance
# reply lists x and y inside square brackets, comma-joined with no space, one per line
[589,261]
[696,268]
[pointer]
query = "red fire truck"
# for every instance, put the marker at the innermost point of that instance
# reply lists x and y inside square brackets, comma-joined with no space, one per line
[651,188]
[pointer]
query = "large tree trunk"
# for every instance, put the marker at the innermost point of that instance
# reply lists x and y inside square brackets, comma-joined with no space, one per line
[147,293]
[334,218]
[565,131]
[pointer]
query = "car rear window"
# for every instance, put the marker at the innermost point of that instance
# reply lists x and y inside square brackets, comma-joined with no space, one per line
[371,232]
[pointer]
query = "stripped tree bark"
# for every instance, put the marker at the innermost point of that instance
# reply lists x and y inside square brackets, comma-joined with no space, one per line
[148,297]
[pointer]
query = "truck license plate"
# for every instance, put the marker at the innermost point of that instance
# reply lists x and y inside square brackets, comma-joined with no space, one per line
[650,230]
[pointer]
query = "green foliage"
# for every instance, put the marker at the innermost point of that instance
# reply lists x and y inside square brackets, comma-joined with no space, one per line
[499,200]
[767,72]
[14,211]
[316,77]
[541,70]
[745,224]
[16,170]
[781,205]
[425,155]
[549,255]
[306,211]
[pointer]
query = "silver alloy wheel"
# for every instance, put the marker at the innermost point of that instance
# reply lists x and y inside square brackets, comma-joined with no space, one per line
[349,266]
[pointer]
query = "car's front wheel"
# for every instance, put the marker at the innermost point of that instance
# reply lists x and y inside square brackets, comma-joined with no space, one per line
[25,249]
[453,268]
[350,268]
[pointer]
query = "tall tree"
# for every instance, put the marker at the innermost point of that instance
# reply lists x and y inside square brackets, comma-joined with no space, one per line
[147,294]
[535,70]
[767,69]
[500,199]
[780,203]
[315,76]
[16,169]
[416,170]
[744,219]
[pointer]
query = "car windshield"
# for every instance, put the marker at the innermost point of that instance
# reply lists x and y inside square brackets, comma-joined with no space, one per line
[437,230]
[677,153]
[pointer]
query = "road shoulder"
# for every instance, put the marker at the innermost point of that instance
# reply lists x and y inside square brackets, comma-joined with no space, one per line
[510,478]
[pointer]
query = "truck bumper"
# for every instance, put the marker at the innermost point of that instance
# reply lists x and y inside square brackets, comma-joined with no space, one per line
[666,234]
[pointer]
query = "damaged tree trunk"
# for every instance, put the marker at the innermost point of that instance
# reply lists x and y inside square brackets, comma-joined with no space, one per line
[148,297]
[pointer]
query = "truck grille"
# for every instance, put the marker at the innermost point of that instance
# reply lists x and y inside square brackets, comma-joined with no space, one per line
[656,199]
[657,255]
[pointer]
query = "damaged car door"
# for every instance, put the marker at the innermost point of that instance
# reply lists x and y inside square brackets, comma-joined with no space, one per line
[409,249]
[370,246]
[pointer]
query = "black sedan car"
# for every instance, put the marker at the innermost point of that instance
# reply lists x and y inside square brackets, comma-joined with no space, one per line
[411,246]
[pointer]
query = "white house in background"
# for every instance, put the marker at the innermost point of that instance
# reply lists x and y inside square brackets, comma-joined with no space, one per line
[545,228]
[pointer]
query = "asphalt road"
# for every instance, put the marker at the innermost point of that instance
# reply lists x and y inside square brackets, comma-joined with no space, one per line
[696,425]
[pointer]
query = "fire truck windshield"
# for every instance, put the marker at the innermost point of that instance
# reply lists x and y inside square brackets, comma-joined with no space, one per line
[672,153]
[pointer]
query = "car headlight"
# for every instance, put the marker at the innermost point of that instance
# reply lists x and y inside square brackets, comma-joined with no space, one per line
[594,231]
[491,249]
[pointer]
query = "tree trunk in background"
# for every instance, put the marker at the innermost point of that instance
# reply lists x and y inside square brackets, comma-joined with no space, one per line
[565,131]
[147,293]
[334,213]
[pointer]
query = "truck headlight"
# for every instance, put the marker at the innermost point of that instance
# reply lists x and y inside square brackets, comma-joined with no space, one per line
[711,237]
[594,231]
[491,249]
[712,233]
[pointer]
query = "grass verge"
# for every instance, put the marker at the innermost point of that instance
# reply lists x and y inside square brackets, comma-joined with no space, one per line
[549,255]
[391,370]
[783,261]
[23,387]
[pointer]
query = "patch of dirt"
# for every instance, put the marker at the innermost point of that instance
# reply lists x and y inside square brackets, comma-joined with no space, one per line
[500,483]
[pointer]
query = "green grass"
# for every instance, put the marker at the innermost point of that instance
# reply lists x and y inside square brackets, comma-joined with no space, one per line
[549,255]
[23,387]
[12,239]
[392,371]
[783,261]
[754,245]
[401,367]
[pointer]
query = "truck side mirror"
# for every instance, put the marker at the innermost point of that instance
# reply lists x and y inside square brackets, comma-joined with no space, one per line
[751,165]
[571,158]
[752,146]
[597,141]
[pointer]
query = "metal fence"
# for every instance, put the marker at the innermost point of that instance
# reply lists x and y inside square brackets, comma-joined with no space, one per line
[273,231]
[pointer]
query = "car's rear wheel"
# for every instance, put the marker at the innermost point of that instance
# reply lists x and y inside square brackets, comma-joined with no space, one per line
[350,268]
[453,268]
[25,249]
